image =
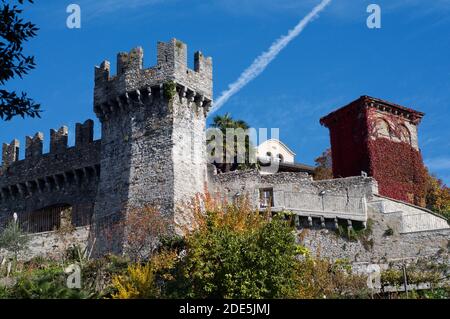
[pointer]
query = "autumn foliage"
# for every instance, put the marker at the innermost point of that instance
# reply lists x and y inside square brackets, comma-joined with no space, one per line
[324,167]
[379,138]
[144,229]
[399,169]
[233,251]
[438,196]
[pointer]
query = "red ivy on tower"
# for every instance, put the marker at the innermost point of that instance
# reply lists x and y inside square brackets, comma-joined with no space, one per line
[380,138]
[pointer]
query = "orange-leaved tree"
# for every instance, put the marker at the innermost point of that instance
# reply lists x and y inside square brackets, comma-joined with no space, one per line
[323,168]
[144,229]
[438,196]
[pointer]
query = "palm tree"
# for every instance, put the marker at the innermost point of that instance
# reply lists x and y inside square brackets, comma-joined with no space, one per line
[224,122]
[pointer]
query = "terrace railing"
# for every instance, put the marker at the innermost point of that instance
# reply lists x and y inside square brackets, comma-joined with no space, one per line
[326,205]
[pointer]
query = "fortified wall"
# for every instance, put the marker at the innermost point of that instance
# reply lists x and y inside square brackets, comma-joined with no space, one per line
[152,149]
[329,202]
[384,230]
[153,152]
[40,186]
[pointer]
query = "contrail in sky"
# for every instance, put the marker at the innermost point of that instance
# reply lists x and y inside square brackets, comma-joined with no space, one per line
[262,61]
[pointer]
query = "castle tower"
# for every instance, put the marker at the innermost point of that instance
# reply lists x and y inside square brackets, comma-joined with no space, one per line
[380,138]
[153,131]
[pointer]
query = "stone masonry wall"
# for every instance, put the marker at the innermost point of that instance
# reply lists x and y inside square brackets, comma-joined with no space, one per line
[51,245]
[380,245]
[189,154]
[65,175]
[153,130]
[250,182]
[412,218]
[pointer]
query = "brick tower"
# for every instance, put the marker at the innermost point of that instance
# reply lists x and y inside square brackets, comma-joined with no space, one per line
[153,131]
[380,138]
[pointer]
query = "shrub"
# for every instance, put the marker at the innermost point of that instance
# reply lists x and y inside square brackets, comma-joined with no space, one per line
[358,233]
[169,90]
[144,229]
[13,239]
[320,278]
[98,274]
[389,232]
[415,274]
[438,196]
[224,260]
[323,169]
[48,283]
[4,293]
[144,281]
[235,252]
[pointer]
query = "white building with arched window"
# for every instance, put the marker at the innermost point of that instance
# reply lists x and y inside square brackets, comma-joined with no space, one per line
[274,149]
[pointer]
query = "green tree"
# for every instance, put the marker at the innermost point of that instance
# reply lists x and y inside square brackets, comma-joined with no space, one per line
[224,122]
[237,253]
[46,283]
[14,32]
[13,239]
[234,252]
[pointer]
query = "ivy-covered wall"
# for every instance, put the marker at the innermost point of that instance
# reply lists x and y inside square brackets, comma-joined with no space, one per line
[348,134]
[379,138]
[394,160]
[399,170]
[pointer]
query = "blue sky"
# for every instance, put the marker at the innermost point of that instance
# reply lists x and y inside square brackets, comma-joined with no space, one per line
[334,61]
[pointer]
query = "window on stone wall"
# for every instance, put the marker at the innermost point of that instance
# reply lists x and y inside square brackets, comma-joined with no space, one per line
[43,220]
[383,129]
[405,134]
[266,197]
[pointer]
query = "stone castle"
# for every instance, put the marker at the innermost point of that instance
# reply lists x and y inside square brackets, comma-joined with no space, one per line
[152,151]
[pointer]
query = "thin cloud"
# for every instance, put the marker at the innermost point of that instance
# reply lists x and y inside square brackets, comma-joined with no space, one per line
[430,141]
[262,61]
[438,163]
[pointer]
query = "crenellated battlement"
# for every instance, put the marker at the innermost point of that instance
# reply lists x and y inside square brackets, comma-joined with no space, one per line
[63,175]
[10,152]
[33,145]
[152,149]
[59,139]
[153,153]
[133,83]
[58,144]
[84,133]
[130,61]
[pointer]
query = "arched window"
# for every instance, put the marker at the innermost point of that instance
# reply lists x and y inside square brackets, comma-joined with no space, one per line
[383,129]
[280,158]
[405,134]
